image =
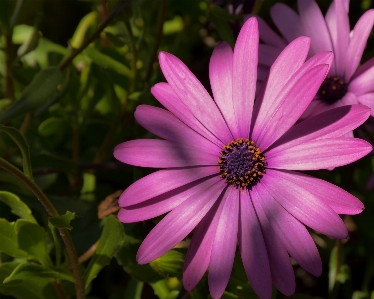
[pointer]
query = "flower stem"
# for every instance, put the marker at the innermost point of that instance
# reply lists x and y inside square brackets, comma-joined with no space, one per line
[102,26]
[30,184]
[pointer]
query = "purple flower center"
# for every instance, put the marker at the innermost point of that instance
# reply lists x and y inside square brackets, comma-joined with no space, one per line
[332,89]
[242,163]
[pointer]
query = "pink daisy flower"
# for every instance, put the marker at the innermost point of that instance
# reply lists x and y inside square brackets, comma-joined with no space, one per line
[345,84]
[229,166]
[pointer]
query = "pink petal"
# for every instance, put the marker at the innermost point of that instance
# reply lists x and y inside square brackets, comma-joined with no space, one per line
[244,76]
[165,125]
[329,124]
[358,41]
[220,74]
[338,24]
[280,265]
[287,63]
[176,225]
[168,98]
[363,83]
[287,21]
[340,201]
[319,154]
[193,94]
[290,107]
[163,203]
[268,36]
[368,100]
[161,154]
[314,26]
[224,244]
[253,249]
[199,251]
[161,182]
[303,204]
[293,235]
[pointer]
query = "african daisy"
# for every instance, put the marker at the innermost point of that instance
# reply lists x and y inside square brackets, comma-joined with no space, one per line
[229,166]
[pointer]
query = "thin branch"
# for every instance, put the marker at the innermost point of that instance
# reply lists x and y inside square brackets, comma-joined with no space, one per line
[102,26]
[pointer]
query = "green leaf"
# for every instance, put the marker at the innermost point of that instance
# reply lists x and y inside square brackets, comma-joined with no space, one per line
[28,269]
[8,237]
[30,44]
[134,289]
[110,241]
[62,221]
[38,92]
[106,61]
[22,145]
[30,288]
[79,34]
[33,239]
[17,206]
[170,264]
[126,257]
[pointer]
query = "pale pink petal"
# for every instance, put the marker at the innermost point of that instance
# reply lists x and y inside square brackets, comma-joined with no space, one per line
[363,68]
[358,41]
[220,74]
[329,124]
[280,265]
[285,66]
[287,21]
[267,54]
[338,24]
[271,95]
[244,76]
[176,225]
[253,249]
[319,154]
[268,36]
[348,99]
[303,204]
[199,251]
[161,182]
[314,26]
[368,100]
[163,203]
[363,83]
[161,154]
[224,244]
[339,200]
[293,235]
[290,108]
[193,94]
[169,99]
[165,125]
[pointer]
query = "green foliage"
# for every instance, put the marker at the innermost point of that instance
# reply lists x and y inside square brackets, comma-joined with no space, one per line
[62,221]
[62,112]
[18,208]
[38,92]
[32,239]
[110,241]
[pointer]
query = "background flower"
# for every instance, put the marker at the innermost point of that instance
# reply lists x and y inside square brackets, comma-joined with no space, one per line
[346,84]
[230,166]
